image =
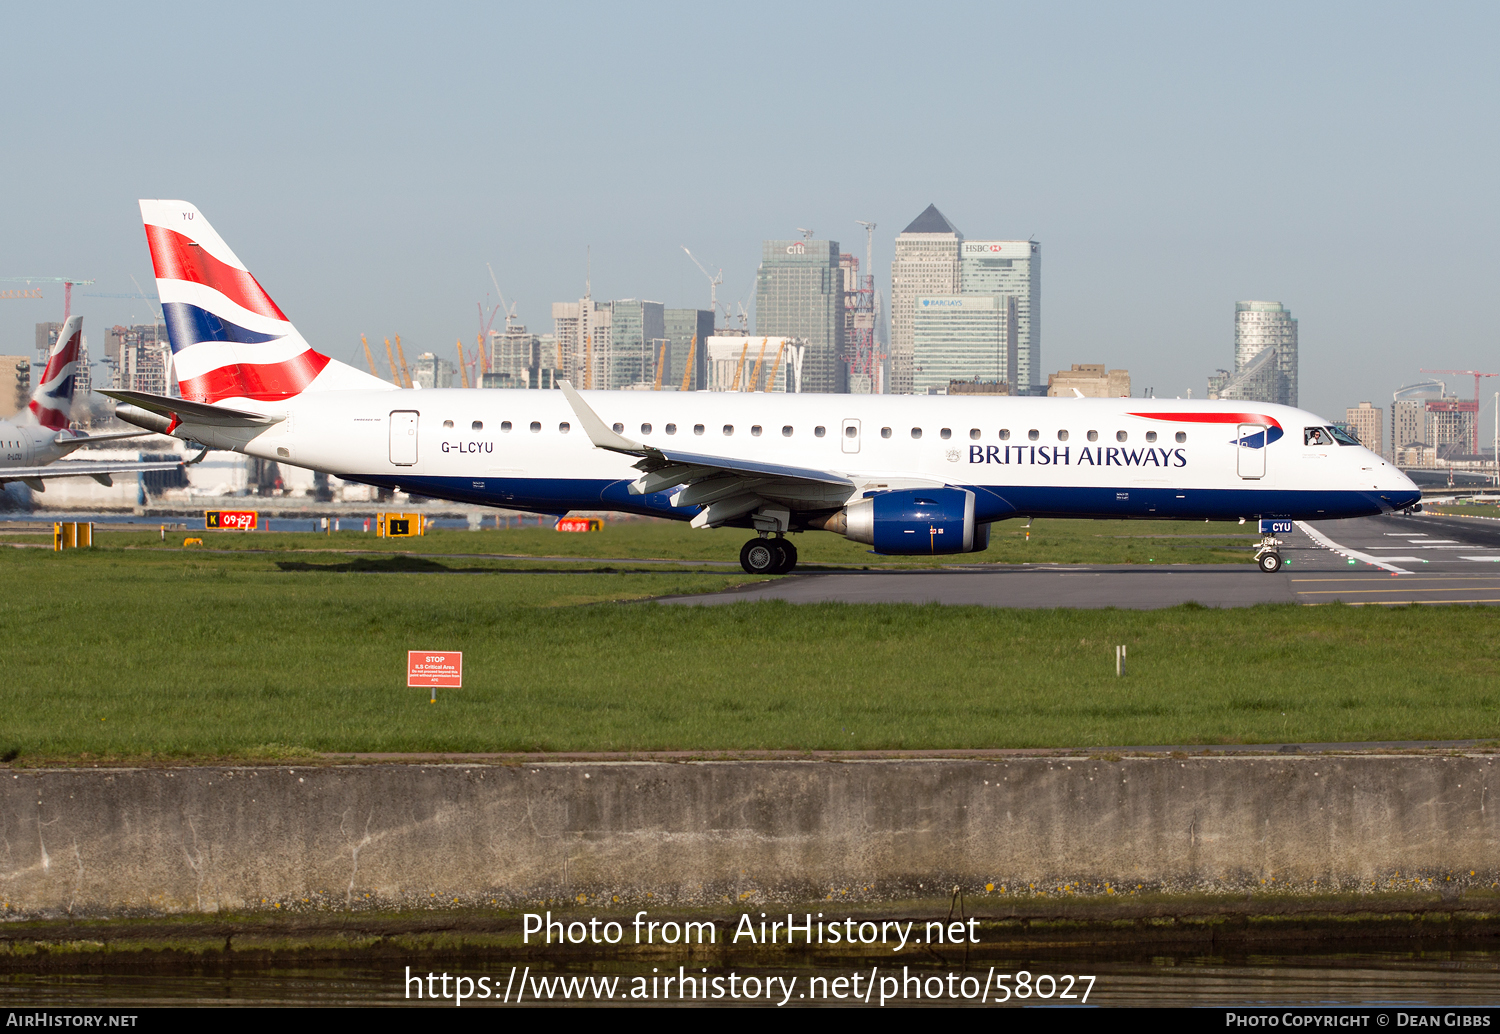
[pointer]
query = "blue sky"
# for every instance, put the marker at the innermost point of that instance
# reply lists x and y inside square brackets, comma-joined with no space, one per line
[366,161]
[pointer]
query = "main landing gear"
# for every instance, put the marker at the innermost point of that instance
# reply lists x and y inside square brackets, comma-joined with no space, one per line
[1267,554]
[768,556]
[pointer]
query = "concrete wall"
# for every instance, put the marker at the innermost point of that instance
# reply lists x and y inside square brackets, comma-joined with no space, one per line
[165,840]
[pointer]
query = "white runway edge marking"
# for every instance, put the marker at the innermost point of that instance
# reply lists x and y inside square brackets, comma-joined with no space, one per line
[1328,543]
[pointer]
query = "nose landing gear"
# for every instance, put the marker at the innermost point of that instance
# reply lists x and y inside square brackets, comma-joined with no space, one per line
[1268,555]
[768,556]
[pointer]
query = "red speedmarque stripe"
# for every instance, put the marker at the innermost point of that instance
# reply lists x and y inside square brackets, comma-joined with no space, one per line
[268,382]
[1213,418]
[58,360]
[51,419]
[177,258]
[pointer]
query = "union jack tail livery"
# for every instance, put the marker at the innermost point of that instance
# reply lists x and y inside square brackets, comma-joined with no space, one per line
[52,399]
[229,339]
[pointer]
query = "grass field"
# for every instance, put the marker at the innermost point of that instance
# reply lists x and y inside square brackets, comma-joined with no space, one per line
[122,654]
[1063,542]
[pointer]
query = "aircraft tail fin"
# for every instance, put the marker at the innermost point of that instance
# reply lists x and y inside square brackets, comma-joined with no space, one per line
[229,339]
[52,399]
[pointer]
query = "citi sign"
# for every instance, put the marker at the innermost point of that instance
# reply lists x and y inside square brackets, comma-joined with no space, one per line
[796,249]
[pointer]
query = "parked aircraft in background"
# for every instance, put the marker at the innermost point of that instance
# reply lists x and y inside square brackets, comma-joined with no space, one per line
[905,474]
[31,444]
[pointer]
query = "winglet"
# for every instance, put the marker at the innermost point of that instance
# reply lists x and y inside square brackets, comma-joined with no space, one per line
[1077,394]
[598,431]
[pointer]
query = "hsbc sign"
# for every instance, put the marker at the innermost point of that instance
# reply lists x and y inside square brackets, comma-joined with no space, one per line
[998,249]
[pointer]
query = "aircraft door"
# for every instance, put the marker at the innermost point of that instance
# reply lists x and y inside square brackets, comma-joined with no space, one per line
[850,436]
[1251,450]
[404,438]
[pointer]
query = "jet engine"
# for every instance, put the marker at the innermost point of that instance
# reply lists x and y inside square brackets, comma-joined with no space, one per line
[924,521]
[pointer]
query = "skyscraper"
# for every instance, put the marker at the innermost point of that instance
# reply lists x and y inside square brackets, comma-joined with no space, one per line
[1259,326]
[963,337]
[799,292]
[1013,268]
[1367,421]
[926,264]
[583,335]
[637,332]
[683,326]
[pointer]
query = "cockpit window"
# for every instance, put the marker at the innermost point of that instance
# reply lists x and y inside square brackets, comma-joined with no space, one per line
[1343,437]
[1316,436]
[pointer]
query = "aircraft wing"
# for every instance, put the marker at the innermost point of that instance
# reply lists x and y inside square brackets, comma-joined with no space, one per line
[100,471]
[727,487]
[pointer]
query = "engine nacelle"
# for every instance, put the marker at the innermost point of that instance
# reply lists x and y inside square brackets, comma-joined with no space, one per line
[924,521]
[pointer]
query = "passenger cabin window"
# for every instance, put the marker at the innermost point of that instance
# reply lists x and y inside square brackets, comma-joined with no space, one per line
[697,428]
[447,423]
[565,427]
[728,430]
[505,426]
[1120,436]
[819,431]
[945,433]
[916,432]
[885,432]
[1093,436]
[1181,437]
[536,426]
[1005,434]
[645,429]
[619,428]
[1062,436]
[1033,434]
[755,430]
[974,433]
[1150,436]
[786,432]
[477,425]
[671,428]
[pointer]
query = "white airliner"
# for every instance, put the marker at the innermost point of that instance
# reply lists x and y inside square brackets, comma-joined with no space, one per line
[905,474]
[30,445]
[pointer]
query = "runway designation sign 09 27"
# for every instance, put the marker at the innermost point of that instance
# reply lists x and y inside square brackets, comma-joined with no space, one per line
[431,668]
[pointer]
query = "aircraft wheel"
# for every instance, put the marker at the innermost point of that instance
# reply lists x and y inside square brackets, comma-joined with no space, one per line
[1270,562]
[789,554]
[761,556]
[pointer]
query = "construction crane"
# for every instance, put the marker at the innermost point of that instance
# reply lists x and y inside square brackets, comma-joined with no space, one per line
[368,357]
[509,309]
[661,360]
[713,282]
[463,368]
[67,283]
[806,234]
[1476,374]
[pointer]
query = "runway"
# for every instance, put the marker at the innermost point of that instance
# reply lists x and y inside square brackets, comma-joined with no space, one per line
[1374,561]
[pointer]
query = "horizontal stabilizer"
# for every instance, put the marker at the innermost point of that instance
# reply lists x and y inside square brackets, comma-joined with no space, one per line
[94,439]
[193,412]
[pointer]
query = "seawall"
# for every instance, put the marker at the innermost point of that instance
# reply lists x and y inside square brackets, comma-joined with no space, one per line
[205,839]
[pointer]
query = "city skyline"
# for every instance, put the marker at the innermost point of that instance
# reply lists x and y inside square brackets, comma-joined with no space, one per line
[386,192]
